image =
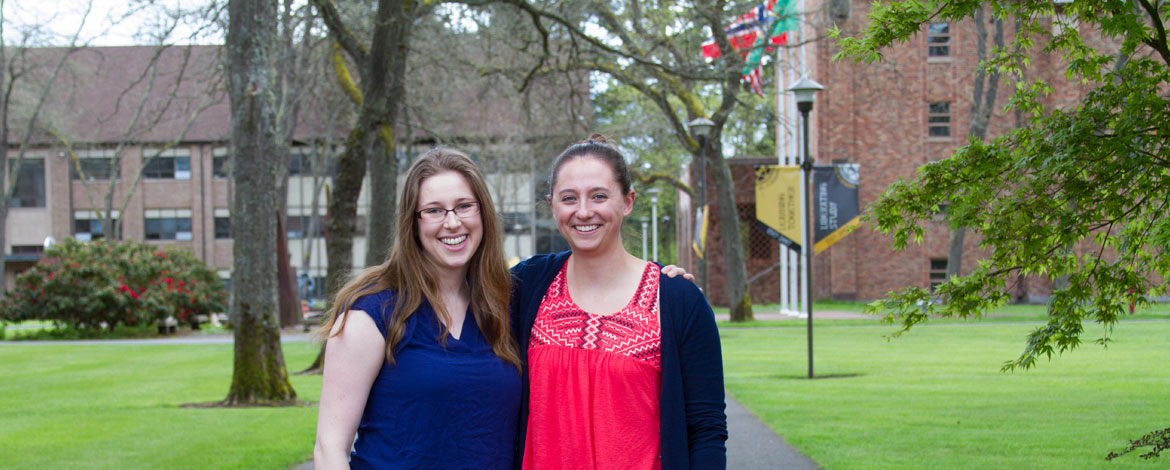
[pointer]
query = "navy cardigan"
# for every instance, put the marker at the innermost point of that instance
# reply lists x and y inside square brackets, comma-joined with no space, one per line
[693,424]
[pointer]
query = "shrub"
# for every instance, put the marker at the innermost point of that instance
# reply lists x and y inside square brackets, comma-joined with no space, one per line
[105,284]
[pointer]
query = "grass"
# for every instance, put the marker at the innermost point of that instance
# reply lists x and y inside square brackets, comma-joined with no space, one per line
[933,398]
[37,330]
[1004,314]
[118,406]
[936,397]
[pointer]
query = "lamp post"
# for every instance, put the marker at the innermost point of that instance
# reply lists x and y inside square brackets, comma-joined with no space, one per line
[653,220]
[806,92]
[702,128]
[643,238]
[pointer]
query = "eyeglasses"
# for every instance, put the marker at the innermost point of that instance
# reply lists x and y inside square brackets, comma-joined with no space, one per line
[462,210]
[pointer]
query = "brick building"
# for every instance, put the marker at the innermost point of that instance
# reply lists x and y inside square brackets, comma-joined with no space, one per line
[890,118]
[153,133]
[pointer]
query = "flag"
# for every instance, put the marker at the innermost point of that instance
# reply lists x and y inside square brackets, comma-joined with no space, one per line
[778,204]
[755,81]
[836,211]
[745,31]
[785,20]
[742,43]
[699,244]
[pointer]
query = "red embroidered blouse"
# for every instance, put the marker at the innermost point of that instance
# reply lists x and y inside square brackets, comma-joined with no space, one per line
[594,382]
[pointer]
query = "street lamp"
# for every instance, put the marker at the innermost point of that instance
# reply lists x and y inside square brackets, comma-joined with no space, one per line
[654,219]
[643,219]
[806,92]
[702,128]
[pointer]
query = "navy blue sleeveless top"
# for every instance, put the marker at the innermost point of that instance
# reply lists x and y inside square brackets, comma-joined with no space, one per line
[449,408]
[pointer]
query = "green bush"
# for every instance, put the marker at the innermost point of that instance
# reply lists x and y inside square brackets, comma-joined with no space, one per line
[106,284]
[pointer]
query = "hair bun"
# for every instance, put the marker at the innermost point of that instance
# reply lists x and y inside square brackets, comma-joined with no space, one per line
[596,139]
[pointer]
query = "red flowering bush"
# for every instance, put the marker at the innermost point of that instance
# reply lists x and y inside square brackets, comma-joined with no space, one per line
[106,284]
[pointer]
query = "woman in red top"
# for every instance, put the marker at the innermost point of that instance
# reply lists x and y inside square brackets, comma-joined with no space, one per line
[595,348]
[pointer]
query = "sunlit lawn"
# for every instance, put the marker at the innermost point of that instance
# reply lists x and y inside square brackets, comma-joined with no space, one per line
[1006,313]
[935,398]
[117,407]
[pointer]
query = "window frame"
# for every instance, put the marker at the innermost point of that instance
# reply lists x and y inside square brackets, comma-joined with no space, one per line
[937,272]
[222,225]
[939,120]
[91,160]
[221,163]
[169,164]
[38,190]
[156,221]
[938,40]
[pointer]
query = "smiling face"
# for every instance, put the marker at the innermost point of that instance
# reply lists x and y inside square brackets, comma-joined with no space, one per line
[451,242]
[588,205]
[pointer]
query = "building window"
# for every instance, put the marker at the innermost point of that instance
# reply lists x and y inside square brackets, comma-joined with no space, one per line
[223,224]
[939,120]
[515,223]
[938,39]
[28,249]
[221,164]
[168,224]
[88,225]
[171,164]
[298,226]
[938,272]
[223,228]
[30,183]
[91,165]
[299,162]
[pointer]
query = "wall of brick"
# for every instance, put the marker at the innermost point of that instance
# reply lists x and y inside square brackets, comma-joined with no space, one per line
[876,115]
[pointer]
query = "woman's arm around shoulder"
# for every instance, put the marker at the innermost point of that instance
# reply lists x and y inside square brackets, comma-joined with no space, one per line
[352,361]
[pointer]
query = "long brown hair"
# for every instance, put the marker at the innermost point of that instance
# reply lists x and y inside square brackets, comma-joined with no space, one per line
[412,275]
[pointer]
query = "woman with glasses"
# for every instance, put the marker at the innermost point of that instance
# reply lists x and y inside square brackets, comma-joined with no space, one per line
[623,367]
[419,359]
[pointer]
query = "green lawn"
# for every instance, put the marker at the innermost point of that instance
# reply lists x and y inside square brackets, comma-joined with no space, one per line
[1006,313]
[116,407]
[935,398]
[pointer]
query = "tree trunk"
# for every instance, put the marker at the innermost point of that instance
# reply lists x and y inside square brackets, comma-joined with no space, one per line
[738,297]
[376,114]
[983,95]
[390,64]
[955,254]
[258,375]
[383,189]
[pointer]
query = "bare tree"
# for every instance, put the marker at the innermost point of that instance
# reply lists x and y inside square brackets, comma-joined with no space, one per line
[175,83]
[15,68]
[653,52]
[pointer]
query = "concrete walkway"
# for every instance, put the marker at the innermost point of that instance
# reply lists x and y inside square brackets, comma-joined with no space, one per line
[817,315]
[287,336]
[751,444]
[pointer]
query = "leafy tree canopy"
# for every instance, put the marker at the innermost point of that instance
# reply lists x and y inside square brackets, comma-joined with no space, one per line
[1078,195]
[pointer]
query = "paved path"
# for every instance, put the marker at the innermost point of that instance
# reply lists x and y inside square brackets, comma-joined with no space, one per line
[218,338]
[751,444]
[817,315]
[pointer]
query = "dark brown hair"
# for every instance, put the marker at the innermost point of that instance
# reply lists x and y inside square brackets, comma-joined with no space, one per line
[598,147]
[412,275]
